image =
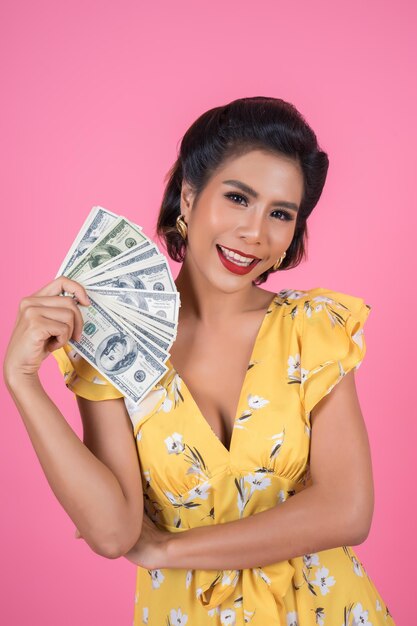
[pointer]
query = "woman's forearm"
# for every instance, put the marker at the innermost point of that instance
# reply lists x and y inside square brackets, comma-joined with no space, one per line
[307,522]
[86,488]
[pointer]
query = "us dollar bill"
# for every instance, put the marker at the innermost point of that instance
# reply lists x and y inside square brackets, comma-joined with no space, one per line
[115,352]
[120,237]
[163,328]
[160,304]
[151,278]
[140,252]
[98,221]
[158,351]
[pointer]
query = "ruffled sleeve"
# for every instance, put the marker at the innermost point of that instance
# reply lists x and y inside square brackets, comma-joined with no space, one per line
[82,378]
[332,341]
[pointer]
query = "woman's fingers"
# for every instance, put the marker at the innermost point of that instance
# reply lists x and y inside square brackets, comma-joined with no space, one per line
[63,284]
[52,322]
[60,302]
[46,321]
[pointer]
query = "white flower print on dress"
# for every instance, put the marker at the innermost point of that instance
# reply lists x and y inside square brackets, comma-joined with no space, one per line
[177,618]
[257,482]
[214,611]
[139,410]
[323,581]
[356,567]
[294,368]
[145,614]
[189,499]
[173,393]
[244,417]
[228,617]
[279,440]
[157,578]
[311,560]
[174,443]
[256,402]
[248,616]
[358,339]
[292,618]
[188,578]
[360,616]
[291,294]
[230,577]
[201,491]
[197,464]
[320,616]
[318,307]
[281,496]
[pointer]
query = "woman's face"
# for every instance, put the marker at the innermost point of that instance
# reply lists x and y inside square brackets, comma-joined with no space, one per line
[228,214]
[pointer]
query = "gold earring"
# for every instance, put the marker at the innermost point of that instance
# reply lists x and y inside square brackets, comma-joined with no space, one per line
[181,226]
[278,263]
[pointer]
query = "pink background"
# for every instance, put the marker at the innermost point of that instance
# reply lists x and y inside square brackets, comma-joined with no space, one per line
[96,97]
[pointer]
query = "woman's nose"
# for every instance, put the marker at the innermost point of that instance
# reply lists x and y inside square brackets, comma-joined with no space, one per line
[252,226]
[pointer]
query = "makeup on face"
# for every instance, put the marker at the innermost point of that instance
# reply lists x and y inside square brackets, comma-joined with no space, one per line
[236,262]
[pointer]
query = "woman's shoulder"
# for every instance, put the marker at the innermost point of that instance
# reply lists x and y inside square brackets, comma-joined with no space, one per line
[330,338]
[321,312]
[318,299]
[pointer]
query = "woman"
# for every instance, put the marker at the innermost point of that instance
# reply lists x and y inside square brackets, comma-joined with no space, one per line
[254,480]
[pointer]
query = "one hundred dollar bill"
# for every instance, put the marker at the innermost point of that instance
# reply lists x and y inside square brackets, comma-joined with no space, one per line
[97,222]
[158,351]
[116,353]
[119,238]
[140,252]
[159,304]
[151,278]
[160,327]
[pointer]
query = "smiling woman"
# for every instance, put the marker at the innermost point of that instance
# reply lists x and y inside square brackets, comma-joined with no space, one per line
[252,505]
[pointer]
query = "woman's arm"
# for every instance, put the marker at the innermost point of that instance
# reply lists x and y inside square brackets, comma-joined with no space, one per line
[106,510]
[88,490]
[335,510]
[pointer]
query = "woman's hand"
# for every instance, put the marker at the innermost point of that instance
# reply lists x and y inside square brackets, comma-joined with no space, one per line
[150,549]
[45,322]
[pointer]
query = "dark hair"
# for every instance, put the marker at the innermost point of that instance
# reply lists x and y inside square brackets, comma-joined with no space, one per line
[268,124]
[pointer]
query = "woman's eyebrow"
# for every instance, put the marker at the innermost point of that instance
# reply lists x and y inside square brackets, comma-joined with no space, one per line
[244,187]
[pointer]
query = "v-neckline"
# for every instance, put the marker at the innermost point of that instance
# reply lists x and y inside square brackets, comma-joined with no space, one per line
[199,413]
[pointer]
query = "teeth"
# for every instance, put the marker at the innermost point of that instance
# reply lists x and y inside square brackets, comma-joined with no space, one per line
[236,258]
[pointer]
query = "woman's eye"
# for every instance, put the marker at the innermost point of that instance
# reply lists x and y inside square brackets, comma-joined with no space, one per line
[235,195]
[287,216]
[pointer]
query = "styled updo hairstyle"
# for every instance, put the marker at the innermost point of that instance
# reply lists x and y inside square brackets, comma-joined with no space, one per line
[232,130]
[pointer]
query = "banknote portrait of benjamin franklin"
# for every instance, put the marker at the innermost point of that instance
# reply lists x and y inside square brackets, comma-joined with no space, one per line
[102,253]
[134,299]
[117,353]
[129,281]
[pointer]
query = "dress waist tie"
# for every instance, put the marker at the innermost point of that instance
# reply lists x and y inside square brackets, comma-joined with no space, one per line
[262,588]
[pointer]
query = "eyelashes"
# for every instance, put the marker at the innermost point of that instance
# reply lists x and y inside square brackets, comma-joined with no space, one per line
[287,216]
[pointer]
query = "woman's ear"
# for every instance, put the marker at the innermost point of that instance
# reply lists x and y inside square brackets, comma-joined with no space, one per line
[187,200]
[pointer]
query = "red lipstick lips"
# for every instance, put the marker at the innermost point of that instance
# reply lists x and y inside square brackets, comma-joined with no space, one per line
[233,267]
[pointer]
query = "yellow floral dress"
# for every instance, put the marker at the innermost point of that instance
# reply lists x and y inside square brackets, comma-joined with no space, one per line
[306,343]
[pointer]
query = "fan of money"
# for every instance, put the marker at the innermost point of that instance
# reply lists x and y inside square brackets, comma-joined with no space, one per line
[132,320]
